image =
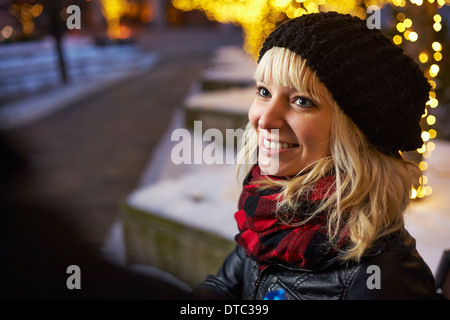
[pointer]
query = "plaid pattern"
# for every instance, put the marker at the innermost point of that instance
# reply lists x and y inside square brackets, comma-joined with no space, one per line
[267,240]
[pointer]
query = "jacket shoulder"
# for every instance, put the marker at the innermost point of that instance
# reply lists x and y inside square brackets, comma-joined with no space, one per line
[393,269]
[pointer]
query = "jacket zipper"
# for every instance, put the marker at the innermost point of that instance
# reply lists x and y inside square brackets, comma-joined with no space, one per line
[255,290]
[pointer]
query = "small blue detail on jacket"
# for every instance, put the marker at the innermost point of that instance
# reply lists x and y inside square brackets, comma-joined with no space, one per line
[275,295]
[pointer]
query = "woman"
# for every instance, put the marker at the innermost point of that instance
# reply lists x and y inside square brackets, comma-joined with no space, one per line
[321,214]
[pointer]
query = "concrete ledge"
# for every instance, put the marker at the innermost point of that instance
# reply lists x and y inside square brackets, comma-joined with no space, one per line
[184,251]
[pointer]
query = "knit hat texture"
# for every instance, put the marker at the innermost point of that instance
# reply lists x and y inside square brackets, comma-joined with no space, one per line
[379,87]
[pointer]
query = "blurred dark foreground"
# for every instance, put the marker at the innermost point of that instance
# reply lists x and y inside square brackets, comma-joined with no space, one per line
[37,247]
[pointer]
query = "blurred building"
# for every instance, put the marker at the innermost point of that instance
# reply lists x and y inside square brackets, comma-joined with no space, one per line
[29,19]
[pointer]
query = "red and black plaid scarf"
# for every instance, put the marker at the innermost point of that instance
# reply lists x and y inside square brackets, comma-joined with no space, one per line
[268,241]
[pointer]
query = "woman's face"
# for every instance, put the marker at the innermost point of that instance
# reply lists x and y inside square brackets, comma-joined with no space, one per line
[293,130]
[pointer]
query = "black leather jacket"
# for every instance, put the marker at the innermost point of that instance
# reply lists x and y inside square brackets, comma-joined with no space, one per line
[399,273]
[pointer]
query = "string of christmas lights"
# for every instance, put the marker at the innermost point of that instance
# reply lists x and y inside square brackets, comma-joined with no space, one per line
[431,56]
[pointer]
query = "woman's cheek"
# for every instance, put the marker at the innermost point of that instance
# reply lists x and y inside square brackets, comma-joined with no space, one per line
[253,116]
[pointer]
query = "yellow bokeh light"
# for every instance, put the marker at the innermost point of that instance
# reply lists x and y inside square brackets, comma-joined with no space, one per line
[407,22]
[434,70]
[437,26]
[413,36]
[434,102]
[422,149]
[436,46]
[433,133]
[431,146]
[113,10]
[421,192]
[432,83]
[400,16]
[37,9]
[413,193]
[423,57]
[425,113]
[401,27]
[425,136]
[423,165]
[431,119]
[399,3]
[406,34]
[312,7]
[437,18]
[397,39]
[437,56]
[28,27]
[7,32]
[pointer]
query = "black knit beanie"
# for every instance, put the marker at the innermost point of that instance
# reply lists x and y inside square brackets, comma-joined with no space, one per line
[381,89]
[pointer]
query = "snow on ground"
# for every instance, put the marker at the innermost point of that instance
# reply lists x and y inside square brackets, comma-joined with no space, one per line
[206,200]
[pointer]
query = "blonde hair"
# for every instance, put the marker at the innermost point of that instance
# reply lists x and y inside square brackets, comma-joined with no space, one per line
[372,190]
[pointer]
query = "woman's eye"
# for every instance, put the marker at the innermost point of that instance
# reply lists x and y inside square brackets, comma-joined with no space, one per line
[263,92]
[304,102]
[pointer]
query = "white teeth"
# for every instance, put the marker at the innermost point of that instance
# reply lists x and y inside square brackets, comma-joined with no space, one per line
[276,145]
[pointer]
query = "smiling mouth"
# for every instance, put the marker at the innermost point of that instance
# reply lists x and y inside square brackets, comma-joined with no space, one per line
[272,145]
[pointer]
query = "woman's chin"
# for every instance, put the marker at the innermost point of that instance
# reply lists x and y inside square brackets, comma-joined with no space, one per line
[271,166]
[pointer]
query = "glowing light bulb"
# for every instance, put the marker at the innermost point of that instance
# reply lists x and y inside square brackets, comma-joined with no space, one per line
[434,70]
[413,36]
[407,22]
[431,119]
[437,26]
[423,57]
[436,46]
[401,27]
[397,39]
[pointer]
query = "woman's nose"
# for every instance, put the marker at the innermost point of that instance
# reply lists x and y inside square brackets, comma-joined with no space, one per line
[271,116]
